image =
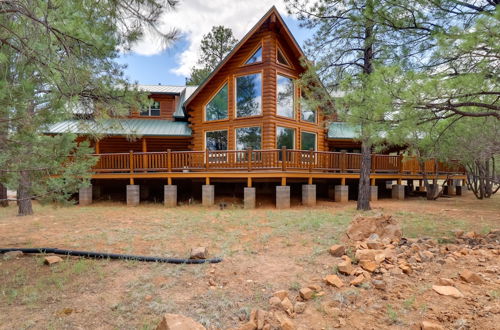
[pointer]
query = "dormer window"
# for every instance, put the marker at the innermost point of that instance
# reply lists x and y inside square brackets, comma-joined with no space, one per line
[256,57]
[152,110]
[281,58]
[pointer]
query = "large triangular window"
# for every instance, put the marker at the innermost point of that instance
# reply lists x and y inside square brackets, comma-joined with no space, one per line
[216,109]
[281,58]
[256,57]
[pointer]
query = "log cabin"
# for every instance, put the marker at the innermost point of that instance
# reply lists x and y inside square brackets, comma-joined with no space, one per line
[245,132]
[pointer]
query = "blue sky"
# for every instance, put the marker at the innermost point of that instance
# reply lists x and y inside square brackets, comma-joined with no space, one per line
[166,66]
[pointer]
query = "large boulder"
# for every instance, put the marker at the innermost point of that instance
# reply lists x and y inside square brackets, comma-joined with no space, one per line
[387,228]
[178,322]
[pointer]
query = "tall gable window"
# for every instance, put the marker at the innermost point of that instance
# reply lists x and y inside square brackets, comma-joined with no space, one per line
[248,137]
[285,94]
[281,58]
[308,113]
[249,95]
[152,110]
[256,57]
[216,109]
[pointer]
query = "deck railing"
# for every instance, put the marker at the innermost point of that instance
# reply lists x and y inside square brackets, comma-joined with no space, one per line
[263,160]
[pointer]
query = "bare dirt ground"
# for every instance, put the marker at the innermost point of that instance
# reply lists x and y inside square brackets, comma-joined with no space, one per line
[264,250]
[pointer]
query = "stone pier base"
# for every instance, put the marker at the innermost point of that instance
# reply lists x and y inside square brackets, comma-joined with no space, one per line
[341,193]
[373,193]
[282,197]
[85,196]
[309,194]
[452,190]
[207,195]
[170,195]
[133,194]
[249,198]
[398,191]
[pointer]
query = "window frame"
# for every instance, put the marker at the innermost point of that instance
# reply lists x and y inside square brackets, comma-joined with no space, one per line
[294,96]
[280,49]
[294,136]
[315,140]
[235,91]
[260,45]
[151,108]
[248,126]
[204,119]
[215,130]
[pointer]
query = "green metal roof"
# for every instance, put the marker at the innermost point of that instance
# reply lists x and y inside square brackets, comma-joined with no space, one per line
[143,127]
[341,130]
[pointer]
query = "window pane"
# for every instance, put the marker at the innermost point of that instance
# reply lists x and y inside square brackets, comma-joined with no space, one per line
[256,57]
[217,107]
[285,97]
[308,141]
[151,110]
[248,137]
[285,137]
[282,58]
[155,112]
[308,113]
[249,95]
[216,140]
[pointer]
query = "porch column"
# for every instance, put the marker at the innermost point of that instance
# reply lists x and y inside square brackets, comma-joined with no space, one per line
[170,195]
[207,195]
[451,188]
[85,196]
[373,193]
[398,191]
[133,194]
[282,197]
[341,193]
[309,194]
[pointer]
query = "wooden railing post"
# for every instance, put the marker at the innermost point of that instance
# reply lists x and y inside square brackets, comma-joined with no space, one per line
[343,161]
[249,157]
[311,156]
[206,159]
[169,160]
[131,161]
[373,165]
[283,159]
[400,160]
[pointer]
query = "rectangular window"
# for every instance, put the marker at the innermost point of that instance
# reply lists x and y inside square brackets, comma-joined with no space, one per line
[216,140]
[153,109]
[216,109]
[308,141]
[284,106]
[248,137]
[308,112]
[249,95]
[285,137]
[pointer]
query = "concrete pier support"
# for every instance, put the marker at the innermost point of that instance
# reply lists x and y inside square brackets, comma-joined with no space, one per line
[85,196]
[398,192]
[170,195]
[341,193]
[133,194]
[207,195]
[249,198]
[282,197]
[452,189]
[309,194]
[373,193]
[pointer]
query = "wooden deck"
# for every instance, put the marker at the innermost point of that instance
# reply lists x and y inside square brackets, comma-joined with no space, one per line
[277,163]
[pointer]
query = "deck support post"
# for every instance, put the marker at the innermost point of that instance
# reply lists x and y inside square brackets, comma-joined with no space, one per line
[398,192]
[170,195]
[85,196]
[451,188]
[249,198]
[309,194]
[282,197]
[341,193]
[133,194]
[207,195]
[373,193]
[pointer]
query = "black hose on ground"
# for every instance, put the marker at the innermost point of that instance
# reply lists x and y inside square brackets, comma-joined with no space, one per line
[103,255]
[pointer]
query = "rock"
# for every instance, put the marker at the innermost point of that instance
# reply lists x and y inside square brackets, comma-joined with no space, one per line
[458,233]
[199,253]
[384,226]
[287,324]
[334,280]
[306,293]
[315,287]
[12,255]
[406,269]
[470,234]
[448,291]
[427,325]
[261,318]
[374,242]
[50,260]
[299,307]
[179,322]
[281,294]
[368,265]
[446,281]
[373,255]
[358,280]
[337,250]
[274,301]
[250,325]
[379,284]
[470,277]
[287,306]
[345,267]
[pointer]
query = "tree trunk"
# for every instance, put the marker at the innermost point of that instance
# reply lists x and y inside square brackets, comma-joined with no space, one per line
[24,194]
[3,196]
[364,178]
